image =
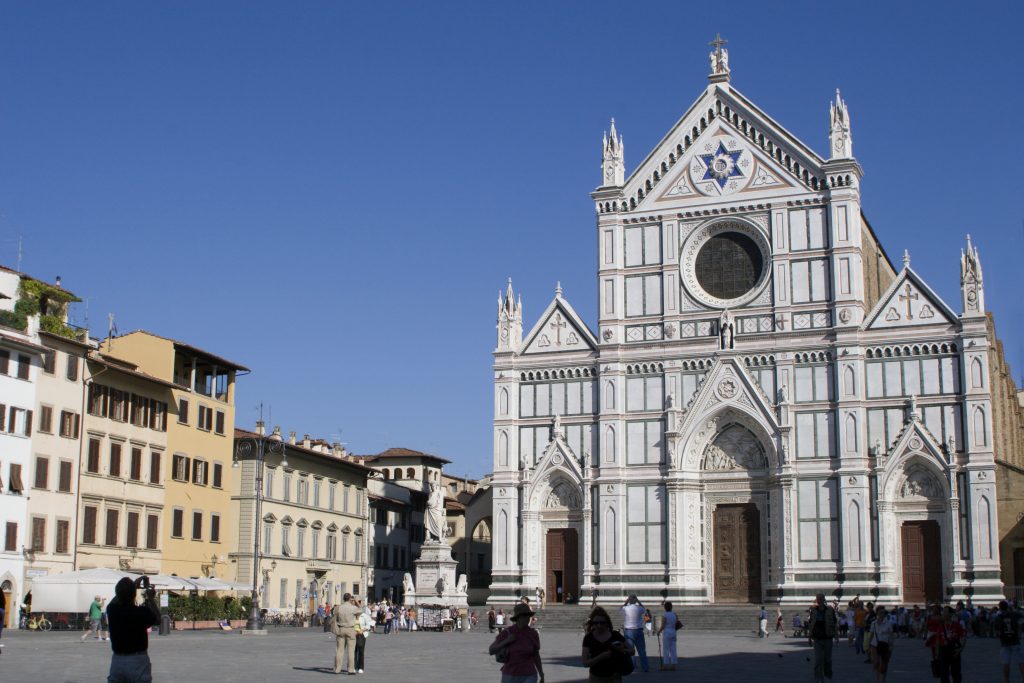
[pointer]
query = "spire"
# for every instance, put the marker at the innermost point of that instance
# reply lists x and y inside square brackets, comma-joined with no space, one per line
[510,320]
[613,167]
[719,58]
[972,287]
[906,258]
[558,289]
[840,140]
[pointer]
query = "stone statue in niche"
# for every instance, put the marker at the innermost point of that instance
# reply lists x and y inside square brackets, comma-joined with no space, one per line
[919,483]
[725,330]
[735,449]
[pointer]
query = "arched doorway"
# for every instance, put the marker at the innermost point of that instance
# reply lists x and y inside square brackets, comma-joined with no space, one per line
[10,617]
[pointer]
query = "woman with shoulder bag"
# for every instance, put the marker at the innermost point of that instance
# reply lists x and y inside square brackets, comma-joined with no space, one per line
[517,647]
[607,653]
[881,643]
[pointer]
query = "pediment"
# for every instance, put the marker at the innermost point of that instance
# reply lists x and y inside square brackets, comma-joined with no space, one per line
[917,465]
[559,329]
[909,302]
[557,467]
[748,153]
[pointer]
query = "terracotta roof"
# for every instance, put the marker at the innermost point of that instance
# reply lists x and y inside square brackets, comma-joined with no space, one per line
[374,496]
[29,277]
[347,460]
[118,365]
[220,360]
[450,504]
[403,453]
[22,343]
[76,342]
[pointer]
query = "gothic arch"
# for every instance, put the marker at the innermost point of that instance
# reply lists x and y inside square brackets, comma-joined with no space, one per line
[608,537]
[609,395]
[984,528]
[609,444]
[853,531]
[980,427]
[916,476]
[851,433]
[502,449]
[849,381]
[734,448]
[503,402]
[708,429]
[977,376]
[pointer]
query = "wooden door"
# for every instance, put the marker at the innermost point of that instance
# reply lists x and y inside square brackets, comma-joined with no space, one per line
[555,565]
[922,562]
[570,576]
[737,560]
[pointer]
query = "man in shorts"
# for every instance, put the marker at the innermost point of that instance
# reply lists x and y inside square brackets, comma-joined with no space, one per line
[1007,625]
[95,614]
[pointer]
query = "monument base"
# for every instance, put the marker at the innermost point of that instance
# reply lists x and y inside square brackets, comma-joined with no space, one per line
[436,583]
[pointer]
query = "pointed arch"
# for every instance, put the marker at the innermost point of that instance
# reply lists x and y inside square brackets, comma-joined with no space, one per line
[502,536]
[849,381]
[984,528]
[609,395]
[853,533]
[503,449]
[609,444]
[851,432]
[980,424]
[503,402]
[608,540]
[977,377]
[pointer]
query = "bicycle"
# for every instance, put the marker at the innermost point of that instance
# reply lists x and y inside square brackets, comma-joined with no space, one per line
[39,623]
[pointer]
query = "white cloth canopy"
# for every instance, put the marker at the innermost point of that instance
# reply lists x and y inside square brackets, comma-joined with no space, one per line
[74,591]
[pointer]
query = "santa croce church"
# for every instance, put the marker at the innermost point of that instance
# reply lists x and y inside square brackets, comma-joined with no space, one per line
[769,405]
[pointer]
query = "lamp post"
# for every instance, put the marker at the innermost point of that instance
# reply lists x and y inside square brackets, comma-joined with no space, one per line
[256,449]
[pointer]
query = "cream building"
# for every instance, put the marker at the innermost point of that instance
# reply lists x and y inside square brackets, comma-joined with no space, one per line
[122,472]
[197,532]
[312,523]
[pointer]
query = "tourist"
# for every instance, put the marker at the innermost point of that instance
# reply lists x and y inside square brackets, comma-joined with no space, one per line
[667,631]
[345,617]
[821,629]
[3,615]
[104,626]
[1007,627]
[604,649]
[129,631]
[412,619]
[593,597]
[880,642]
[499,619]
[762,623]
[520,646]
[95,612]
[952,640]
[633,627]
[364,626]
[539,595]
[859,616]
[492,619]
[779,623]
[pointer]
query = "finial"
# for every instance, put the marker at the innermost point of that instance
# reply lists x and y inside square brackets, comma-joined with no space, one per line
[906,258]
[719,60]
[558,289]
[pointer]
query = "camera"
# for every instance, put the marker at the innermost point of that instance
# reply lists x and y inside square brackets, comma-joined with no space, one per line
[142,583]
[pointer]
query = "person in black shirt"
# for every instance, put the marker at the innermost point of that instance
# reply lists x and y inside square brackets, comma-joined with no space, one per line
[604,649]
[129,632]
[821,629]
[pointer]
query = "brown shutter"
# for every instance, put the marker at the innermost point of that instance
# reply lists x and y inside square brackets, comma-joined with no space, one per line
[49,361]
[154,468]
[197,526]
[132,539]
[115,460]
[215,528]
[3,418]
[45,419]
[151,529]
[136,465]
[24,362]
[38,534]
[93,464]
[89,525]
[178,521]
[64,483]
[11,537]
[28,423]
[111,535]
[15,483]
[5,361]
[42,472]
[61,546]
[206,473]
[218,474]
[220,421]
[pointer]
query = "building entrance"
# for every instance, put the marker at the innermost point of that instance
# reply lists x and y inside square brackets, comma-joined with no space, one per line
[562,570]
[922,562]
[737,553]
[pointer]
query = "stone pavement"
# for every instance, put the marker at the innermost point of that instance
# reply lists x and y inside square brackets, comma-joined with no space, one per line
[289,655]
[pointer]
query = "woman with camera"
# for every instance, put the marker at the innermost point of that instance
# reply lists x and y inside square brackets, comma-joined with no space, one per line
[607,653]
[129,631]
[518,649]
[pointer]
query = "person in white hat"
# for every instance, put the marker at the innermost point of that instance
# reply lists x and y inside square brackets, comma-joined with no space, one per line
[518,648]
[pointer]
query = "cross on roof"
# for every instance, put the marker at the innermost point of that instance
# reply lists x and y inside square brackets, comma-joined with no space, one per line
[717,43]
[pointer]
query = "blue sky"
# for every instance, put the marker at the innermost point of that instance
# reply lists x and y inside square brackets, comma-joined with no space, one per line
[332,193]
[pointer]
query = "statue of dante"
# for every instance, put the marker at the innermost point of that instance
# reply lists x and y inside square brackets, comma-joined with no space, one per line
[434,517]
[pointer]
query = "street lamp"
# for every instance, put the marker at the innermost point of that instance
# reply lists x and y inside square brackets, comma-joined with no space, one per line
[256,449]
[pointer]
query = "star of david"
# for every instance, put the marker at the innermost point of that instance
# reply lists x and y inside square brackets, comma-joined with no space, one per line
[721,165]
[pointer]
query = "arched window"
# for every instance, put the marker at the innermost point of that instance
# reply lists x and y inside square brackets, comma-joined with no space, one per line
[398,473]
[386,473]
[410,473]
[503,449]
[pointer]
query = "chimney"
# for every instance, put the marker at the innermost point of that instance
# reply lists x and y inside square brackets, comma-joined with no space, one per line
[276,436]
[291,438]
[336,449]
[57,283]
[261,429]
[306,441]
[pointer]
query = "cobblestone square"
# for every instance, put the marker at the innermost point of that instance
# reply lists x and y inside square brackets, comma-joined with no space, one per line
[301,655]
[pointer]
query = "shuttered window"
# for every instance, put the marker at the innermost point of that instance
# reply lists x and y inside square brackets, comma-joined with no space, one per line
[197,526]
[72,373]
[15,483]
[218,475]
[45,419]
[215,528]
[92,463]
[49,362]
[89,524]
[183,411]
[115,460]
[154,468]
[38,534]
[24,363]
[5,361]
[42,472]
[178,523]
[61,541]
[152,522]
[220,422]
[64,480]
[135,471]
[110,537]
[132,534]
[11,537]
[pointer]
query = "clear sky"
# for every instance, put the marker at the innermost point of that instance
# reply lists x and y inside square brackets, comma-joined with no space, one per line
[332,193]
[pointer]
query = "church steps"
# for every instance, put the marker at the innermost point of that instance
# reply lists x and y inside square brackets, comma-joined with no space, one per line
[693,617]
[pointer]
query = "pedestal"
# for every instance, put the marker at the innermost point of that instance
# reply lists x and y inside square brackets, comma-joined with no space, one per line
[436,583]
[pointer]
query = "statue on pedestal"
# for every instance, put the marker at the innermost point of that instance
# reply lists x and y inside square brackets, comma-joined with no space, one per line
[434,517]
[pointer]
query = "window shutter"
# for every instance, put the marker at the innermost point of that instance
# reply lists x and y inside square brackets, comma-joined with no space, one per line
[49,362]
[151,529]
[64,484]
[89,525]
[38,534]
[3,418]
[111,535]
[215,528]
[15,483]
[28,423]
[206,472]
[177,522]
[24,363]
[61,545]
[136,464]
[11,537]
[218,474]
[154,468]
[42,472]
[93,464]
[132,539]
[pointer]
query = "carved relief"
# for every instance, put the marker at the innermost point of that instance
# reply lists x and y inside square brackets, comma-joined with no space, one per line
[563,496]
[920,483]
[735,449]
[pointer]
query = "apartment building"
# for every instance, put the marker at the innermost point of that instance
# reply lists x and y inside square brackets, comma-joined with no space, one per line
[197,533]
[312,519]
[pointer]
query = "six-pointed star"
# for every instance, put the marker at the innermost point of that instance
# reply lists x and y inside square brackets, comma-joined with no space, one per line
[721,165]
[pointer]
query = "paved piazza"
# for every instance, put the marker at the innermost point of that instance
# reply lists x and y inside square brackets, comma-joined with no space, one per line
[288,655]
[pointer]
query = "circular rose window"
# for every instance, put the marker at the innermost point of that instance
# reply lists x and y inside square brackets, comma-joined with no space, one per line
[725,264]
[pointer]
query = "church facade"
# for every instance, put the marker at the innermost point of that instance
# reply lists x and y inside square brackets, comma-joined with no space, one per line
[767,406]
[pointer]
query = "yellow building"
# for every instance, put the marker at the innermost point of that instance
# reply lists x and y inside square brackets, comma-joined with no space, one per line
[199,532]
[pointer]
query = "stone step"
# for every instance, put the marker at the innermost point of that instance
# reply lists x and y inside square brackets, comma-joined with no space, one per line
[693,617]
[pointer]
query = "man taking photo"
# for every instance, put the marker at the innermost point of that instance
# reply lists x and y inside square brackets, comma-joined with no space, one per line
[345,617]
[129,631]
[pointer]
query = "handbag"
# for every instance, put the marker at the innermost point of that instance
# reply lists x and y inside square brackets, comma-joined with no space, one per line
[623,664]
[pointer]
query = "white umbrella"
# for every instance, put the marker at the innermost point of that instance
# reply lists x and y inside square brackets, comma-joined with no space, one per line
[74,591]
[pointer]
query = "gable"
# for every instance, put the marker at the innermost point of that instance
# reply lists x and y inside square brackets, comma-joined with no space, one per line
[909,302]
[559,329]
[775,160]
